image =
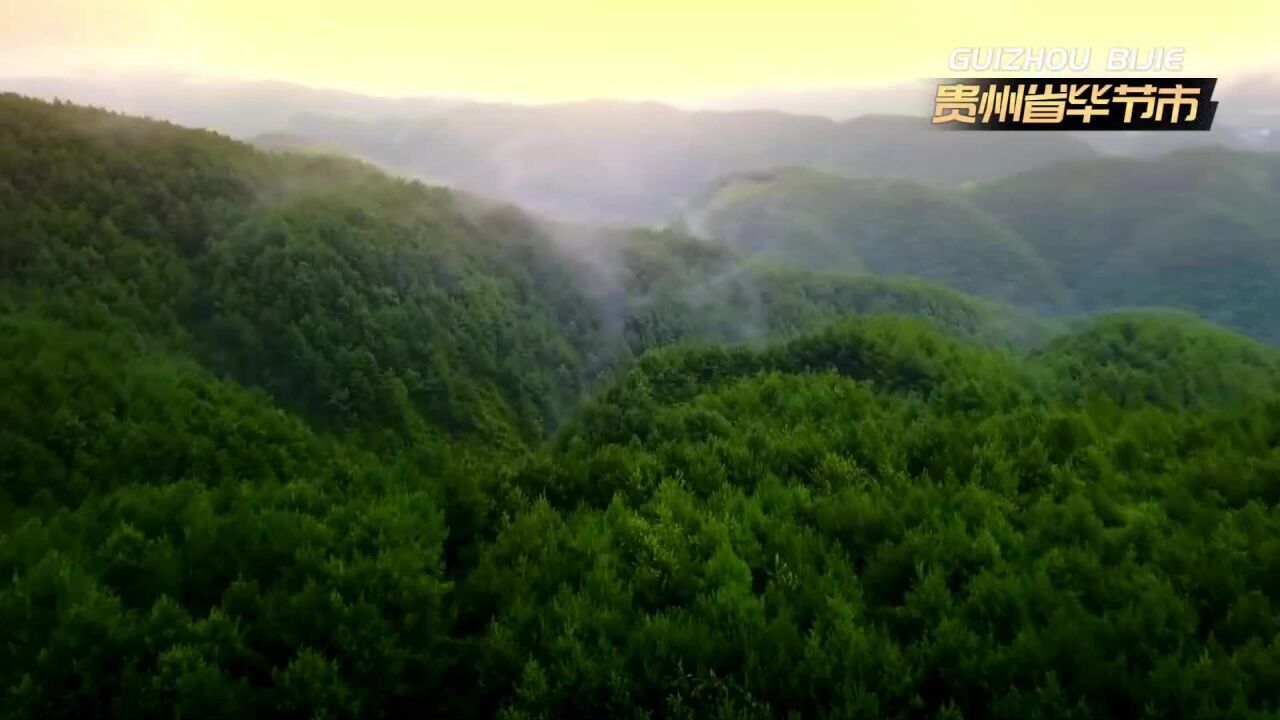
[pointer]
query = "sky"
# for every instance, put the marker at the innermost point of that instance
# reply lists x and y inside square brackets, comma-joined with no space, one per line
[553,50]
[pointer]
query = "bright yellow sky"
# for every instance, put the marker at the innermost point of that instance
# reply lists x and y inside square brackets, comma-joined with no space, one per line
[565,49]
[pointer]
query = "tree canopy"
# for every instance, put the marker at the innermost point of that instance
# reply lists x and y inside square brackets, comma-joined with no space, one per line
[282,436]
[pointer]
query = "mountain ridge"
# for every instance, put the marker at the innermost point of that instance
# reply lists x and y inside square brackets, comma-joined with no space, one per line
[1194,229]
[283,436]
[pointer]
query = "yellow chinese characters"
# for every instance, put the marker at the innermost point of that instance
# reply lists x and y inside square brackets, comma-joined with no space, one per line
[1005,103]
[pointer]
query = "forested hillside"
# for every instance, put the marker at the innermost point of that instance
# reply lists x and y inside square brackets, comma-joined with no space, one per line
[812,218]
[361,300]
[664,287]
[1195,230]
[282,436]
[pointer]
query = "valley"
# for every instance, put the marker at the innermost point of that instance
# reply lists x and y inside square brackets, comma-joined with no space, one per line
[285,435]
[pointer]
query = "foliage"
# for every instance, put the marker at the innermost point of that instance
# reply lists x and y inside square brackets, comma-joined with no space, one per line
[280,436]
[816,219]
[1195,230]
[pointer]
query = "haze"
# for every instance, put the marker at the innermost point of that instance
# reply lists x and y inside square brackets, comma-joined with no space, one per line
[556,50]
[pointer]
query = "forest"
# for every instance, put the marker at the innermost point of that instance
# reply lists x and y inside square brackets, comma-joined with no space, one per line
[282,435]
[1197,230]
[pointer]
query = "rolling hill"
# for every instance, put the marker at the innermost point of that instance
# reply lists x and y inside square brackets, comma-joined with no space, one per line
[816,219]
[593,161]
[355,297]
[282,436]
[1197,230]
[614,161]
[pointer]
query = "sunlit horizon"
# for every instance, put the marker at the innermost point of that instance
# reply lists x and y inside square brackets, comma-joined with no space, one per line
[677,52]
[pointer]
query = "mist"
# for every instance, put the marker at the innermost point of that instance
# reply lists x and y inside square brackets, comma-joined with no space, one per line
[634,162]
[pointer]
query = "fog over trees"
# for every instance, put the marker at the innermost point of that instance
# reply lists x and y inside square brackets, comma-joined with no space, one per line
[834,419]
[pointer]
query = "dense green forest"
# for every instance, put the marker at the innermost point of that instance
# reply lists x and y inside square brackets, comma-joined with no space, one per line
[817,219]
[1197,230]
[283,436]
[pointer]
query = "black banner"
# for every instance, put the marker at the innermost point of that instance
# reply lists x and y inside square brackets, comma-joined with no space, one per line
[1075,104]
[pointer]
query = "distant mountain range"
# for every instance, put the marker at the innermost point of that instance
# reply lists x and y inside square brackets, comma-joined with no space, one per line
[628,161]
[240,109]
[611,161]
